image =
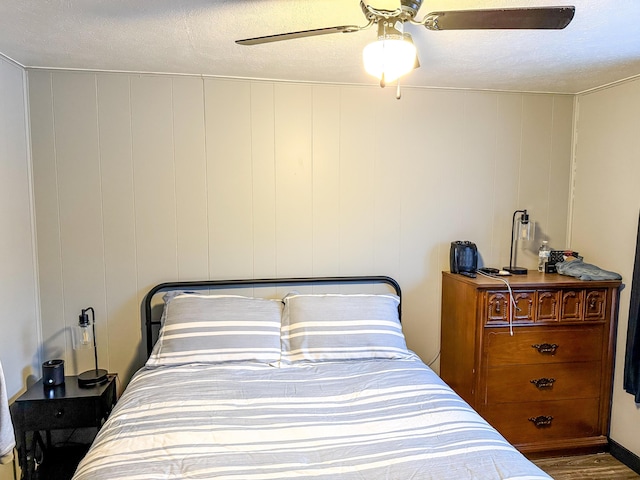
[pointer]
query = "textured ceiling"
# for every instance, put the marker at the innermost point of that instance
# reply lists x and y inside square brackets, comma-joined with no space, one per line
[600,46]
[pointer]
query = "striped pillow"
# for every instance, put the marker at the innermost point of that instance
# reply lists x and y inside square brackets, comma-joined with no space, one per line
[218,328]
[341,327]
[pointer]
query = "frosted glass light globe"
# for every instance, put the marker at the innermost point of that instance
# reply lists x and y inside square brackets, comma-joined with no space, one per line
[394,57]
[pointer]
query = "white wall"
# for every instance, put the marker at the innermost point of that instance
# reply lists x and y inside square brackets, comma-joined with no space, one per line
[141,179]
[605,217]
[19,322]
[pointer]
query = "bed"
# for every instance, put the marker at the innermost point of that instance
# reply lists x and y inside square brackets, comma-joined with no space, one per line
[307,385]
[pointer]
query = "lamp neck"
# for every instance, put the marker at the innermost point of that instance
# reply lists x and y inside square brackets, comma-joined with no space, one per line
[525,218]
[84,322]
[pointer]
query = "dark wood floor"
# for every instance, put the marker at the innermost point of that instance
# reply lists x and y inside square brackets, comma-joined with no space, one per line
[601,466]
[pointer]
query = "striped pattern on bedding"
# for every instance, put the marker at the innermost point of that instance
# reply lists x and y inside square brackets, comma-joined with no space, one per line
[374,419]
[341,327]
[218,328]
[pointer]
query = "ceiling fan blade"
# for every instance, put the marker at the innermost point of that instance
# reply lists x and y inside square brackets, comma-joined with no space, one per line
[554,18]
[301,34]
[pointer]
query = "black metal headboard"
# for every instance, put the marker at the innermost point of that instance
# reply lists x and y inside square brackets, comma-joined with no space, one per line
[194,285]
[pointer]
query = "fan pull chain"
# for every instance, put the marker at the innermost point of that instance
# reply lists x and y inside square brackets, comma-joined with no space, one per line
[398,93]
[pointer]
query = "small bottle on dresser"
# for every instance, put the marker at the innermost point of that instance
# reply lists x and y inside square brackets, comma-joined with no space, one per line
[543,255]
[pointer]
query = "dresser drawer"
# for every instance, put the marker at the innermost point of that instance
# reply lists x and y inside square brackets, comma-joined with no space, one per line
[498,310]
[538,422]
[543,345]
[595,305]
[546,306]
[589,304]
[549,381]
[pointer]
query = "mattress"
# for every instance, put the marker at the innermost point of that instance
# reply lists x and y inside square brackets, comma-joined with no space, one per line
[352,419]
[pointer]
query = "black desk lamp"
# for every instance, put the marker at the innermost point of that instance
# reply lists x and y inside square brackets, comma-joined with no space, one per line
[85,337]
[524,233]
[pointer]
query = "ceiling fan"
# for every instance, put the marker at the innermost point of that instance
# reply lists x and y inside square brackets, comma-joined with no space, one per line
[394,54]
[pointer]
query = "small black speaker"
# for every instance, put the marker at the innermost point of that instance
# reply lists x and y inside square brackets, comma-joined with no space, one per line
[53,373]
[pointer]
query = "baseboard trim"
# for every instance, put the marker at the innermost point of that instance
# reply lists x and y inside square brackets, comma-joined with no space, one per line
[627,457]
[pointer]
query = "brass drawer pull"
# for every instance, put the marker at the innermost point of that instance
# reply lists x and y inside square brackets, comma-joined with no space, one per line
[546,348]
[543,382]
[541,420]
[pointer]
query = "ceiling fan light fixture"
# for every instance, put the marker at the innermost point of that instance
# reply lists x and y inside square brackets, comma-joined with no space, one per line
[391,56]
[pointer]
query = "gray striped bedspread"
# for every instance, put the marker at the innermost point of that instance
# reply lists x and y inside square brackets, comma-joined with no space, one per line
[365,420]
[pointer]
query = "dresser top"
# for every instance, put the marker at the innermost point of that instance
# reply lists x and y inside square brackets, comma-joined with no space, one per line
[533,279]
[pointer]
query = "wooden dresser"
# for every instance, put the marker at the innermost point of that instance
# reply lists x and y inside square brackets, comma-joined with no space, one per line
[547,387]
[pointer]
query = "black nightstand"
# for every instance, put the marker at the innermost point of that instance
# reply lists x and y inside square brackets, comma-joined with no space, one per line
[66,406]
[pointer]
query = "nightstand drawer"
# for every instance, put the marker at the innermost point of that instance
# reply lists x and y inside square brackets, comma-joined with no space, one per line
[543,345]
[534,422]
[555,381]
[56,414]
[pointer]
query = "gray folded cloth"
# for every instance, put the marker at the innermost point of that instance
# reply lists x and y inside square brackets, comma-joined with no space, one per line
[7,437]
[585,271]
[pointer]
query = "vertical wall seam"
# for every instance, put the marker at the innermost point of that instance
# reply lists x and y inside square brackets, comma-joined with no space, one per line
[573,169]
[175,180]
[275,177]
[57,184]
[519,177]
[32,212]
[313,190]
[520,152]
[101,194]
[141,352]
[253,185]
[339,213]
[372,188]
[206,174]
[494,249]
[401,223]
[550,158]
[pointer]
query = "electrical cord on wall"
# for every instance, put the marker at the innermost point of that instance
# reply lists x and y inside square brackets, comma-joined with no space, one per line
[433,360]
[512,302]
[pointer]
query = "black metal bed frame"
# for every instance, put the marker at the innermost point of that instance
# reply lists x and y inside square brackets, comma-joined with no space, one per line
[205,284]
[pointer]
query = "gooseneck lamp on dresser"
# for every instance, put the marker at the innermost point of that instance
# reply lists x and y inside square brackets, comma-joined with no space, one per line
[520,232]
[84,337]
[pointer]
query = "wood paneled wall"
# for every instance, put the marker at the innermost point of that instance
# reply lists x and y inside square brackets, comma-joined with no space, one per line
[141,179]
[20,336]
[605,219]
[19,317]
